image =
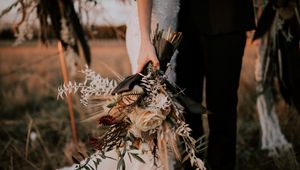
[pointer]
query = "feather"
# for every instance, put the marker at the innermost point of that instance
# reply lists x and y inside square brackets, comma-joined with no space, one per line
[96,106]
[79,32]
[127,84]
[265,21]
[163,150]
[57,10]
[172,139]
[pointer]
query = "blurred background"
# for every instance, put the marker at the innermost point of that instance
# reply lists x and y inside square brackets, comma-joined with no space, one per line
[35,127]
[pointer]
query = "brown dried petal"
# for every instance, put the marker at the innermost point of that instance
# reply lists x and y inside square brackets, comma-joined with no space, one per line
[106,120]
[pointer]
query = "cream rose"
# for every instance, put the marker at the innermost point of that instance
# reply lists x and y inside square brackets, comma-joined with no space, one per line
[147,119]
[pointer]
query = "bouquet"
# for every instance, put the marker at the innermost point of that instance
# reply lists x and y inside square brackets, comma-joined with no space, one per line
[144,108]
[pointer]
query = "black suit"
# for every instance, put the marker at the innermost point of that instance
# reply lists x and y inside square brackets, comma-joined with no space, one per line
[217,16]
[214,36]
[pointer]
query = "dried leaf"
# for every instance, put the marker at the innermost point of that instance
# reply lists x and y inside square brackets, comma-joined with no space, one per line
[82,156]
[75,160]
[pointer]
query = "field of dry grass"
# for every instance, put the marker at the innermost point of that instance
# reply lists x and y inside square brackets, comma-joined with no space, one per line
[35,133]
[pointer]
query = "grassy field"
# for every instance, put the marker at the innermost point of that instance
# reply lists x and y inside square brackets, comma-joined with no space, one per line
[35,131]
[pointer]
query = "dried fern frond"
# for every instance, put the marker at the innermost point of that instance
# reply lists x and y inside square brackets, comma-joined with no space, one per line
[93,85]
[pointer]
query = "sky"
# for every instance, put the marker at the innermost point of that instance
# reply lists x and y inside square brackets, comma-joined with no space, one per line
[107,12]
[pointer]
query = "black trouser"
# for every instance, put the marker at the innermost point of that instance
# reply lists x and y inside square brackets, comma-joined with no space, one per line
[218,59]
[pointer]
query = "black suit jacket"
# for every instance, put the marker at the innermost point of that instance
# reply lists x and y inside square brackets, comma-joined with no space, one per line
[216,16]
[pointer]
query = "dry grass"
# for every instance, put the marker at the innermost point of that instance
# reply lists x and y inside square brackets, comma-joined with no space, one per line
[250,156]
[30,75]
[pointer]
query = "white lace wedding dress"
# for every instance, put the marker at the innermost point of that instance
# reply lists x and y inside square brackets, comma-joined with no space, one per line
[164,13]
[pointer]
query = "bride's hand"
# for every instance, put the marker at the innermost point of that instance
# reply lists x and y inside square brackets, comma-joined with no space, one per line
[147,53]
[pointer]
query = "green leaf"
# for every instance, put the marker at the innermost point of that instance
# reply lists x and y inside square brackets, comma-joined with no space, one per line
[110,157]
[124,151]
[124,166]
[111,105]
[91,167]
[89,154]
[129,157]
[131,136]
[137,157]
[121,163]
[118,152]
[96,163]
[98,160]
[103,156]
[132,147]
[87,168]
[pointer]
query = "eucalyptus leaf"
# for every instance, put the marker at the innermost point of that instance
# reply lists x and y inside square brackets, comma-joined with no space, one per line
[137,157]
[118,152]
[96,163]
[121,164]
[98,160]
[111,105]
[132,147]
[87,168]
[129,157]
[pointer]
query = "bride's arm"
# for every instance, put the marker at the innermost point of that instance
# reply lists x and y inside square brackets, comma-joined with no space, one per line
[147,51]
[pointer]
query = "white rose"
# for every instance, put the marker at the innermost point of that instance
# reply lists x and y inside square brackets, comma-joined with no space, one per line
[147,119]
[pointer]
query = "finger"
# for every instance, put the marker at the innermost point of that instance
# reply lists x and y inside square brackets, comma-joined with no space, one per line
[155,62]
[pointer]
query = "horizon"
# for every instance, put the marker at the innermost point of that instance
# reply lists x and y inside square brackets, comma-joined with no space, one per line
[105,13]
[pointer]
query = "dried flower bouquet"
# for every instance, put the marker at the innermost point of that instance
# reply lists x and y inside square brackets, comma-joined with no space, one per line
[144,108]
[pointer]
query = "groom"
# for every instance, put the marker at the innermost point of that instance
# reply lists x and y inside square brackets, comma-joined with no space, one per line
[214,36]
